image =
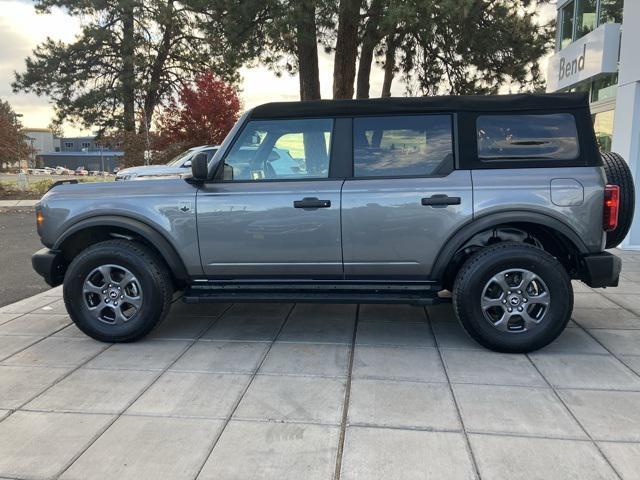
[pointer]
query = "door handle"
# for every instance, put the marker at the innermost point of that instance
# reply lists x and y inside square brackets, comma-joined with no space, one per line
[311,203]
[440,201]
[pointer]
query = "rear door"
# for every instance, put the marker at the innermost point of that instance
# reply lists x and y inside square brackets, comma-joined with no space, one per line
[405,198]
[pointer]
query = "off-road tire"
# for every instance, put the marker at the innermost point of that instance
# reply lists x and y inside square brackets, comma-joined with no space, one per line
[148,268]
[482,266]
[618,173]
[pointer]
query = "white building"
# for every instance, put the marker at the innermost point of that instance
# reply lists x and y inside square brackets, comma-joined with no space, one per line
[42,140]
[597,51]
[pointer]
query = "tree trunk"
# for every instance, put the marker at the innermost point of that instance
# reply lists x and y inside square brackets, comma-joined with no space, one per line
[152,96]
[307,50]
[389,66]
[370,40]
[344,65]
[128,75]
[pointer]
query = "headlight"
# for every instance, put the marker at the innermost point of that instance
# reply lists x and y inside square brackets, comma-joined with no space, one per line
[39,220]
[39,217]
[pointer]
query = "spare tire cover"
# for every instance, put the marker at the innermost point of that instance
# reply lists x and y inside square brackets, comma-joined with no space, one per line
[618,173]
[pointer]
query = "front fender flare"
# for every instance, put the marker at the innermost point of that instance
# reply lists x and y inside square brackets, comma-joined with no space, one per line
[149,233]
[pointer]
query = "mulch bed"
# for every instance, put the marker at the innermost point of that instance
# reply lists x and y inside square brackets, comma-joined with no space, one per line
[16,195]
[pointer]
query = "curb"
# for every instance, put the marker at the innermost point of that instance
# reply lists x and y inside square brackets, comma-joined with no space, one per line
[17,203]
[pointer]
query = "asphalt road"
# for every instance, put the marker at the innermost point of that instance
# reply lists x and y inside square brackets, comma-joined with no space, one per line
[18,240]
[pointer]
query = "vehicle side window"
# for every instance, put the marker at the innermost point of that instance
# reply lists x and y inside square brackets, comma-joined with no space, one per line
[402,146]
[281,149]
[527,137]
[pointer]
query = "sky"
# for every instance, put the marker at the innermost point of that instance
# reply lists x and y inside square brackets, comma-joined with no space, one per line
[22,29]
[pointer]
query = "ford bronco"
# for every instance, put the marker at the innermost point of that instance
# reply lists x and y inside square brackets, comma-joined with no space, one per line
[502,200]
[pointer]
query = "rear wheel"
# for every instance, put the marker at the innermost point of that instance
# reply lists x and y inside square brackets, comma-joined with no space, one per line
[618,173]
[513,297]
[117,291]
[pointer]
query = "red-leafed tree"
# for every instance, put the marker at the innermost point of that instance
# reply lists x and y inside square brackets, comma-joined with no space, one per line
[203,114]
[13,147]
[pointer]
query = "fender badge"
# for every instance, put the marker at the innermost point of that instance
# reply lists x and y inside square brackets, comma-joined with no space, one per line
[185,207]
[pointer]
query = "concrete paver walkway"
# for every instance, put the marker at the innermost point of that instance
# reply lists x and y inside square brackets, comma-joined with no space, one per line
[284,391]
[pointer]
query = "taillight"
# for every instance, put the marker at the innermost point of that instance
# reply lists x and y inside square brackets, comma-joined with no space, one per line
[611,207]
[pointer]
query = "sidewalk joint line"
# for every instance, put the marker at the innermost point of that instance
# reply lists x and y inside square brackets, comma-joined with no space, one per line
[347,399]
[228,418]
[575,418]
[135,399]
[455,400]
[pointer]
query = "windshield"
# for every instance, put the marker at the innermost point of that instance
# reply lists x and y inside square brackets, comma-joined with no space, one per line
[175,161]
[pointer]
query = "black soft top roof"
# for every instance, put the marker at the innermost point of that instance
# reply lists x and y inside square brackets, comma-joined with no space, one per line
[478,103]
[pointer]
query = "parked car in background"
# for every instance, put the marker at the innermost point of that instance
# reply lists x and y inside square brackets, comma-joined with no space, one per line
[38,171]
[63,171]
[176,167]
[81,171]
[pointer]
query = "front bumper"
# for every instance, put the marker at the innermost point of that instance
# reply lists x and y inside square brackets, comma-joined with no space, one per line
[50,265]
[601,270]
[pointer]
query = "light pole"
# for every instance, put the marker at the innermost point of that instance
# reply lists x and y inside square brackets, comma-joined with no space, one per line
[16,116]
[32,153]
[102,164]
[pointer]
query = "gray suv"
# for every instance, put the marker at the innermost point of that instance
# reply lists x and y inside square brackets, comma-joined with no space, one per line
[501,200]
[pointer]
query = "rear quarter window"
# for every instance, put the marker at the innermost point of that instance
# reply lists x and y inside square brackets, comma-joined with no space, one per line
[527,137]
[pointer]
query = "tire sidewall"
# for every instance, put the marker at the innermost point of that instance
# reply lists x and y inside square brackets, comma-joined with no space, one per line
[472,284]
[152,300]
[617,172]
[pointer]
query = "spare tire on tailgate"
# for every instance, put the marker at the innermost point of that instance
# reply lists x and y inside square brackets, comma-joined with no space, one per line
[618,173]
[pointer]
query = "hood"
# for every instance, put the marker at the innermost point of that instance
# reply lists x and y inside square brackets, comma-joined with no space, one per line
[93,190]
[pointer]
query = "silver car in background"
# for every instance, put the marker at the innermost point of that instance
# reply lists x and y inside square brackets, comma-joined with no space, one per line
[175,168]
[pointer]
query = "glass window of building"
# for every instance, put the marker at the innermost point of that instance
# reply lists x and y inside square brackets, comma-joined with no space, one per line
[586,17]
[566,25]
[604,87]
[611,11]
[603,126]
[578,87]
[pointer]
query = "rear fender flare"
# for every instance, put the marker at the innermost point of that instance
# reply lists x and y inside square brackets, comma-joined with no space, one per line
[466,232]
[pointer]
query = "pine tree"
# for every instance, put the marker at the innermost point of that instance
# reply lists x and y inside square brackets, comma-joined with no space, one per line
[130,57]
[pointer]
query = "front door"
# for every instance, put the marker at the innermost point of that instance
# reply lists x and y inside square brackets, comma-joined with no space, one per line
[405,198]
[276,212]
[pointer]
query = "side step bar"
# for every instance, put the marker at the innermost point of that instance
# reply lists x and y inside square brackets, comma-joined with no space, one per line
[415,294]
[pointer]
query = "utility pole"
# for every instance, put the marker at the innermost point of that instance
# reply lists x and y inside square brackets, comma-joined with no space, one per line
[102,164]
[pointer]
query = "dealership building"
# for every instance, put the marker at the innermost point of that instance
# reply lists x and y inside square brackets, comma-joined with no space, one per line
[598,51]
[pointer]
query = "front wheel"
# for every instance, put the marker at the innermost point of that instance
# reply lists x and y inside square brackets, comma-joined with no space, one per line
[513,297]
[117,290]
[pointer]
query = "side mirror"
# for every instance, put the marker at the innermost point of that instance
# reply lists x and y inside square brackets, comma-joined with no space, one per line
[200,167]
[187,164]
